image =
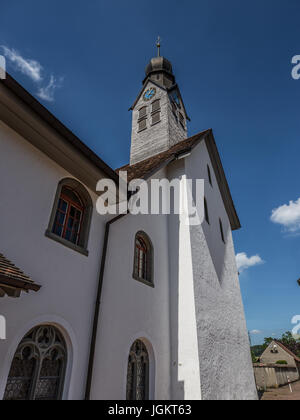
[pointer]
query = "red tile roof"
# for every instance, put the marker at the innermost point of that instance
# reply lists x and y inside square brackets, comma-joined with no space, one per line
[287,350]
[142,170]
[148,167]
[12,278]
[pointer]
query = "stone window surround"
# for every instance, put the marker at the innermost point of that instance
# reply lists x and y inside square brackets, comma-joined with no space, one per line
[85,229]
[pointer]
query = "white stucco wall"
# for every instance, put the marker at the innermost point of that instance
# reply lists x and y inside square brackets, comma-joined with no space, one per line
[194,316]
[225,363]
[131,310]
[28,183]
[192,321]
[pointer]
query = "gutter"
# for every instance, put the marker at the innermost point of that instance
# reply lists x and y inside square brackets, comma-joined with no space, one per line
[97,309]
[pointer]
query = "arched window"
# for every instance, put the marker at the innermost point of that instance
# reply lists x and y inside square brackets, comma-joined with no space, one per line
[222,231]
[138,372]
[206,211]
[71,215]
[143,259]
[209,175]
[38,368]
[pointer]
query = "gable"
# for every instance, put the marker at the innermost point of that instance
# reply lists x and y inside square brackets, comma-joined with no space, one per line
[147,167]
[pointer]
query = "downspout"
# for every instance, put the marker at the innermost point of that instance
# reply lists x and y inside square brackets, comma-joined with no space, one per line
[100,284]
[97,309]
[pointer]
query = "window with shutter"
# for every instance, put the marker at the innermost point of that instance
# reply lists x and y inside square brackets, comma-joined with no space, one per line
[156,106]
[143,112]
[156,118]
[142,125]
[181,120]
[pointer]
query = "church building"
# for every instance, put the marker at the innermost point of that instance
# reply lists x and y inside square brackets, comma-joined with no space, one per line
[117,307]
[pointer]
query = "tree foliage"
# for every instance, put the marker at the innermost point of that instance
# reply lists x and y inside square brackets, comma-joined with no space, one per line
[286,339]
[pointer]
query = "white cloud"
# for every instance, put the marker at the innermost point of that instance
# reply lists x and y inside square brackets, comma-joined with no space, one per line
[47,92]
[34,70]
[29,67]
[255,332]
[243,262]
[288,215]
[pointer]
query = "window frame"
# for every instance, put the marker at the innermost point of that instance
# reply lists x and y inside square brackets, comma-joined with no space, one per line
[70,204]
[40,352]
[155,112]
[135,359]
[87,202]
[149,260]
[142,118]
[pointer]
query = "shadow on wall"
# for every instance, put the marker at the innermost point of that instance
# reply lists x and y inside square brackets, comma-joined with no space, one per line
[177,386]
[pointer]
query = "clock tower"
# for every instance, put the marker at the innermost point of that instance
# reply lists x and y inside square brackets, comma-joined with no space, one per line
[159,118]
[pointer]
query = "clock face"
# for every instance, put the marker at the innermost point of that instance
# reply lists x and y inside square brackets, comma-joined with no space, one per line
[149,94]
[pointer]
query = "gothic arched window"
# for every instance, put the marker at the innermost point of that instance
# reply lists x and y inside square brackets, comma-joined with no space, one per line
[138,372]
[71,215]
[143,259]
[38,368]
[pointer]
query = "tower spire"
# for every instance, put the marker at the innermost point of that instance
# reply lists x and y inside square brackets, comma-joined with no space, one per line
[158,46]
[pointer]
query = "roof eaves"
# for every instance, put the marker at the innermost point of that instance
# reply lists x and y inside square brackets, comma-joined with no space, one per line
[58,126]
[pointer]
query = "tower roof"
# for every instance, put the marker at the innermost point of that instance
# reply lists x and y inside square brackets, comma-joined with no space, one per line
[160,69]
[159,64]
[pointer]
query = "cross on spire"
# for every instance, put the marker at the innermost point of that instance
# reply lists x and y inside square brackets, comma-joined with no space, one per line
[158,46]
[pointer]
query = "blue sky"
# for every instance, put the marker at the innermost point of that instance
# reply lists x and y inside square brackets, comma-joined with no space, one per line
[232,60]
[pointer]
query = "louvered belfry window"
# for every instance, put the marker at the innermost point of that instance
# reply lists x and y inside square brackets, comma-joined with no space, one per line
[156,111]
[181,119]
[38,368]
[142,121]
[138,372]
[142,125]
[156,106]
[156,118]
[143,112]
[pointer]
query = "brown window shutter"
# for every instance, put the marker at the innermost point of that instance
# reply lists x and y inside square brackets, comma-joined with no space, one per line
[143,112]
[142,124]
[156,105]
[156,118]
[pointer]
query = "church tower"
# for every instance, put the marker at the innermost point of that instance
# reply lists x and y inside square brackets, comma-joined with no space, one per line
[159,118]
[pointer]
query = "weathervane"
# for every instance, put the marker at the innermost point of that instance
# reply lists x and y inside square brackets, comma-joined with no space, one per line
[158,46]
